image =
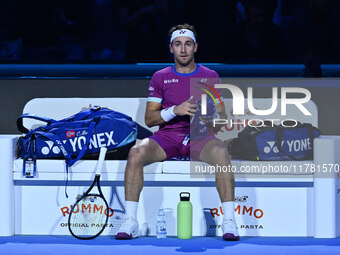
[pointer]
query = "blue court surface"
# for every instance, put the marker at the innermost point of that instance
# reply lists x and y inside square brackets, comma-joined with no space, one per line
[150,245]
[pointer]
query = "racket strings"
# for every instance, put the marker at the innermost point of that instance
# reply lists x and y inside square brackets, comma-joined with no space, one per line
[89,216]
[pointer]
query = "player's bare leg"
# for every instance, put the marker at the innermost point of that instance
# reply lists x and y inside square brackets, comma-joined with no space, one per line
[215,153]
[146,152]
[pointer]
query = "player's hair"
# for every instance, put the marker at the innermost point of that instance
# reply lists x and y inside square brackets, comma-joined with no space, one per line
[183,26]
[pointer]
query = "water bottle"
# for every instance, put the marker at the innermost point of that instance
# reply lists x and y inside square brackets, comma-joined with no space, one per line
[161,224]
[184,216]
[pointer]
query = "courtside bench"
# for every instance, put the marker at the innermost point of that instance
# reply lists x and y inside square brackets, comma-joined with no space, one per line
[293,202]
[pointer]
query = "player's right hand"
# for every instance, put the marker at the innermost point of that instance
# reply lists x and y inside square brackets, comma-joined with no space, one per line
[186,108]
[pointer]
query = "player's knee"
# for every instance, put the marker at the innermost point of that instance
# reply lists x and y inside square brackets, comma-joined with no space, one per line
[136,154]
[220,153]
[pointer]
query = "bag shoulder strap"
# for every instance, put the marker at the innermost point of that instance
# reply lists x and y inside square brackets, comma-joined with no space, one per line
[68,156]
[24,130]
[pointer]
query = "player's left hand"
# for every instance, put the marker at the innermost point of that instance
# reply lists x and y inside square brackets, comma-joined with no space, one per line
[186,108]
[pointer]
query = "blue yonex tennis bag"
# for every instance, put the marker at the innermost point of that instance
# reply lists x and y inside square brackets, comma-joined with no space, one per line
[78,136]
[274,143]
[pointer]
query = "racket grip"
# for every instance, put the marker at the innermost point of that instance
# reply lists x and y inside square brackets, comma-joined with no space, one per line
[101,159]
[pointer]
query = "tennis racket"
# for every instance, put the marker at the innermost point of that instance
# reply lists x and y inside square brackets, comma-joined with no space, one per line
[90,214]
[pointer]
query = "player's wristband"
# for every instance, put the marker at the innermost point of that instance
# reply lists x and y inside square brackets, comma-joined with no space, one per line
[168,114]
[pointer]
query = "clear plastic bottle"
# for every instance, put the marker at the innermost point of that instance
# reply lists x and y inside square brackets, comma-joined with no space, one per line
[161,224]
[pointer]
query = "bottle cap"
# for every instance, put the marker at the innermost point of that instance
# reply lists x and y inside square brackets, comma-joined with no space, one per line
[184,198]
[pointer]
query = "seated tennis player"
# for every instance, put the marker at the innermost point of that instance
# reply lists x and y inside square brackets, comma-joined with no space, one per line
[170,106]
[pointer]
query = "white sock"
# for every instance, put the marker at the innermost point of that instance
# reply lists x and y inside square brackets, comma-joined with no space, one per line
[228,210]
[131,209]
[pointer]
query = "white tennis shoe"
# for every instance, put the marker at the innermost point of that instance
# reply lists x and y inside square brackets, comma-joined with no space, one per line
[128,230]
[229,229]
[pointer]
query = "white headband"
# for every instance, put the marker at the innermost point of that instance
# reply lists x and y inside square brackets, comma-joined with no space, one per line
[183,32]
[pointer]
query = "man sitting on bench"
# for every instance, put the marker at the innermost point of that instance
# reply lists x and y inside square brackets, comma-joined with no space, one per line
[169,106]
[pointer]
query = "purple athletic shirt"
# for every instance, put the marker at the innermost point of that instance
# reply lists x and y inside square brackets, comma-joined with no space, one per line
[169,88]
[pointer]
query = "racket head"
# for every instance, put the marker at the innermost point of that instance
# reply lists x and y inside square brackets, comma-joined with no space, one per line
[89,216]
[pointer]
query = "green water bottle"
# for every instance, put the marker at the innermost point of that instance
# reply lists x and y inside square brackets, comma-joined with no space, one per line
[184,216]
